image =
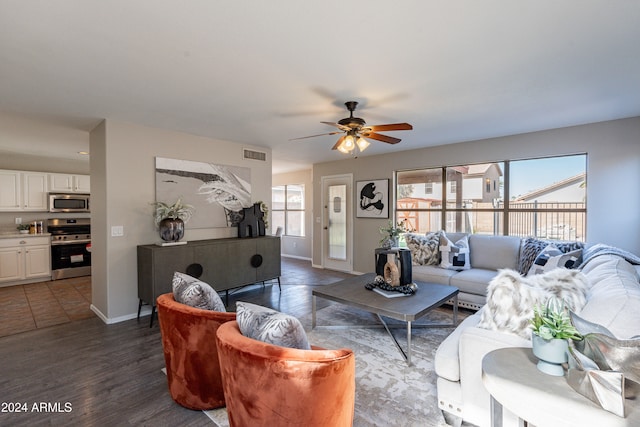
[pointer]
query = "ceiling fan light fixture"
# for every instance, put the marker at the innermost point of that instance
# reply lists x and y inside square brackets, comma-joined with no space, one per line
[341,148]
[362,144]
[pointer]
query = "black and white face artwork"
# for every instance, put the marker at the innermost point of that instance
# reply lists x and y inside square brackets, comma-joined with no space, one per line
[370,199]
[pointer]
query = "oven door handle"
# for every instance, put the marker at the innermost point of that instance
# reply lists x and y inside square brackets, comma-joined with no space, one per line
[69,242]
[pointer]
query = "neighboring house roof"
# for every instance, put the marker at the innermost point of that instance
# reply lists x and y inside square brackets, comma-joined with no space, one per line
[481,168]
[551,188]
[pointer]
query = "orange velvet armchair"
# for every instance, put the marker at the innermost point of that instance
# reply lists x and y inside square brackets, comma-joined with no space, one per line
[190,353]
[268,385]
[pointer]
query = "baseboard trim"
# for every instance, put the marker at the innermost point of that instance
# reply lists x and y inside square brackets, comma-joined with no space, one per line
[295,257]
[146,311]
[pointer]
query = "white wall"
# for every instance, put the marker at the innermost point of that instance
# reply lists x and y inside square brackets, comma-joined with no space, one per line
[613,174]
[298,247]
[123,186]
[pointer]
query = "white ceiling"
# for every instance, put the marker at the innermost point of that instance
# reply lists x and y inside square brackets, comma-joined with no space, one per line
[261,73]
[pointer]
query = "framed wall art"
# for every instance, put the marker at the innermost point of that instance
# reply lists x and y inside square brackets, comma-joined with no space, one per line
[218,192]
[372,198]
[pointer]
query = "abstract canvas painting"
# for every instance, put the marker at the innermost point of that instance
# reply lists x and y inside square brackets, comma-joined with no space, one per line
[372,198]
[216,191]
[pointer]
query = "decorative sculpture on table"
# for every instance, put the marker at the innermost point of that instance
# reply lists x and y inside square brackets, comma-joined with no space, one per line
[252,223]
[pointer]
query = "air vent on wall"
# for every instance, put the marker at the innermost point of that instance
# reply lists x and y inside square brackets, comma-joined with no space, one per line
[254,155]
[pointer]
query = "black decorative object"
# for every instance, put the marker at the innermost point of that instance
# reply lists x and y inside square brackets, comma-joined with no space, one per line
[402,256]
[252,223]
[379,282]
[171,229]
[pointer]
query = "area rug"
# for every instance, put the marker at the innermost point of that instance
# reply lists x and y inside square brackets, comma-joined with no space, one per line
[388,392]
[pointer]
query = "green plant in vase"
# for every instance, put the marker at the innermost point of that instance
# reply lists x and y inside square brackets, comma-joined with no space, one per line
[170,219]
[391,233]
[551,328]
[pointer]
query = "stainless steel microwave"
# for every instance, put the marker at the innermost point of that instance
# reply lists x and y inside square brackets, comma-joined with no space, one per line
[67,202]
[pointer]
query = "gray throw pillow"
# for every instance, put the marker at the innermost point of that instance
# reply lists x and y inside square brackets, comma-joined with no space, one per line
[195,293]
[531,248]
[425,249]
[455,256]
[270,326]
[551,257]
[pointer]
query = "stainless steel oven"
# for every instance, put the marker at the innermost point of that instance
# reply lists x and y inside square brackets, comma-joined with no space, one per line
[70,247]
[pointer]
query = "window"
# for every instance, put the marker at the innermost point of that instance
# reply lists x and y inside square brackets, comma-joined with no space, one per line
[288,209]
[428,188]
[546,198]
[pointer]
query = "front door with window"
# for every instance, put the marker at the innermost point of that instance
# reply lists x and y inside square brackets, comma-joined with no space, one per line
[337,222]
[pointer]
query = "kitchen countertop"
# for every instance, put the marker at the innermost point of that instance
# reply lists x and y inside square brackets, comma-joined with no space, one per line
[16,235]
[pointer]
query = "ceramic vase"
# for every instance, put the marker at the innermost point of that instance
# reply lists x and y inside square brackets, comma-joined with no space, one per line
[551,354]
[171,229]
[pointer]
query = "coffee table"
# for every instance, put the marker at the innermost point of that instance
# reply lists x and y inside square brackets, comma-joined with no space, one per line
[351,292]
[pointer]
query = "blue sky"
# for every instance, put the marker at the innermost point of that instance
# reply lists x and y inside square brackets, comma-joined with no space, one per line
[528,175]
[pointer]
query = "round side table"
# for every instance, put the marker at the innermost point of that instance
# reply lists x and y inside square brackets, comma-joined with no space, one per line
[511,377]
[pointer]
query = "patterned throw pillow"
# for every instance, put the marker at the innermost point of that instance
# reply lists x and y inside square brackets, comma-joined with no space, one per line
[531,248]
[455,256]
[511,298]
[195,293]
[270,326]
[425,249]
[551,257]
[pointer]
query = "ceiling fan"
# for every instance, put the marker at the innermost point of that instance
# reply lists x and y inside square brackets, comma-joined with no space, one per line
[356,131]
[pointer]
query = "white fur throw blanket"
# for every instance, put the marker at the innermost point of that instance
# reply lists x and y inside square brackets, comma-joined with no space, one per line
[512,297]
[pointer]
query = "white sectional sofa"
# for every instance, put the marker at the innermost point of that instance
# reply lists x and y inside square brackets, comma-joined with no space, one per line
[612,301]
[488,254]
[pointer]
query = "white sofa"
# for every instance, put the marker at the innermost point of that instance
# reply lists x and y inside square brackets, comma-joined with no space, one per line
[488,254]
[613,301]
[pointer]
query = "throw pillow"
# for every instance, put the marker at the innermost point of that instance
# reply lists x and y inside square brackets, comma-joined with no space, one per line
[551,257]
[270,326]
[455,256]
[511,298]
[195,293]
[424,248]
[531,248]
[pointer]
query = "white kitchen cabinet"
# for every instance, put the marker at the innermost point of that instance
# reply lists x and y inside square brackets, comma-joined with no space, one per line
[34,191]
[68,183]
[11,264]
[10,190]
[25,259]
[23,191]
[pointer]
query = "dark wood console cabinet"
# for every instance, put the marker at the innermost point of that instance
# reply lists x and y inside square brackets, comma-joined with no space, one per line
[222,263]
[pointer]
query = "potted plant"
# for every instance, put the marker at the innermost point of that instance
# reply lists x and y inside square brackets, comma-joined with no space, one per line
[551,328]
[23,228]
[391,234]
[170,219]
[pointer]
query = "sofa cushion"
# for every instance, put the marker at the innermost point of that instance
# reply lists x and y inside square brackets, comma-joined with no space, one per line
[531,247]
[614,297]
[270,326]
[425,249]
[511,298]
[551,257]
[455,256]
[195,293]
[432,274]
[494,252]
[473,281]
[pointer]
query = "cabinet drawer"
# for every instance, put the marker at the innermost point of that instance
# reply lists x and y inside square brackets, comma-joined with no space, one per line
[24,241]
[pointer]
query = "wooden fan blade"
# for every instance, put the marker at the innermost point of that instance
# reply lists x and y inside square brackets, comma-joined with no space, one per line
[379,137]
[386,128]
[339,126]
[313,136]
[335,147]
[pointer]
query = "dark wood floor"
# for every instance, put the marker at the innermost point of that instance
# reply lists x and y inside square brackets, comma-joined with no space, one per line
[88,373]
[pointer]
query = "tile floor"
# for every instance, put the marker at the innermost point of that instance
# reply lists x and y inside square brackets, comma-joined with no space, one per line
[39,305]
